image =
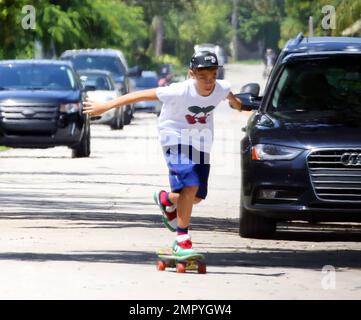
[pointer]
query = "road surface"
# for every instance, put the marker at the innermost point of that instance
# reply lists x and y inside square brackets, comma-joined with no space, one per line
[88,228]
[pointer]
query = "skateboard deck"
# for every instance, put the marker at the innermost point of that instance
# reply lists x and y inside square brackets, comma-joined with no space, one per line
[191,262]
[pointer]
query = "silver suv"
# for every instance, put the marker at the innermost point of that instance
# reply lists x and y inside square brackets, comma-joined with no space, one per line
[104,59]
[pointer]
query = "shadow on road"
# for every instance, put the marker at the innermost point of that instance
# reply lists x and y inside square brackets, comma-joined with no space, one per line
[84,212]
[320,232]
[257,257]
[87,211]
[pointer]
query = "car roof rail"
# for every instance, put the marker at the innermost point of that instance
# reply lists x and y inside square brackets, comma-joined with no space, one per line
[298,39]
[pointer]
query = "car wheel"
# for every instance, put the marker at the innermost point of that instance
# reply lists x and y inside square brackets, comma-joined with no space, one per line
[255,226]
[127,115]
[118,120]
[82,150]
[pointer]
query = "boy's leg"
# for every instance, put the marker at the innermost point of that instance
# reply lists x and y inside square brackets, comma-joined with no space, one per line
[185,205]
[167,202]
[173,197]
[183,245]
[168,209]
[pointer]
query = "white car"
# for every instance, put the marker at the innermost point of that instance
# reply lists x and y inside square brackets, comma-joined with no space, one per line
[100,87]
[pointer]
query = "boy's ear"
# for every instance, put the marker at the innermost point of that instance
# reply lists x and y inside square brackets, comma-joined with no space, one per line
[191,73]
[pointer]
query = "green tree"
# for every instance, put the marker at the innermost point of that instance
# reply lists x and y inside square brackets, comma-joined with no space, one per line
[298,13]
[15,40]
[260,21]
[66,24]
[156,13]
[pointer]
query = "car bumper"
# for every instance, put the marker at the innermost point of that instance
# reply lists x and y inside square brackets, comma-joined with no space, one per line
[283,190]
[67,131]
[105,118]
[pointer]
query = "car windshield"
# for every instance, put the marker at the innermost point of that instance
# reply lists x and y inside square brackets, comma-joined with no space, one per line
[100,82]
[146,82]
[318,88]
[29,76]
[108,63]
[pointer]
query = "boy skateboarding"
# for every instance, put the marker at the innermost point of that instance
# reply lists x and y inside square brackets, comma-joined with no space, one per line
[185,128]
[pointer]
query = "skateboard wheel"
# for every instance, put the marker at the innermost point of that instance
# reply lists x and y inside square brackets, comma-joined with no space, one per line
[161,265]
[180,267]
[202,268]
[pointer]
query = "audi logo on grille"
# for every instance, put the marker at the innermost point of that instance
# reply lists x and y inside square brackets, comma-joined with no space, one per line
[351,159]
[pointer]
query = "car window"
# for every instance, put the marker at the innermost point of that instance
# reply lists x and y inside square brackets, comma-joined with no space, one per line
[100,82]
[36,77]
[146,82]
[108,63]
[322,86]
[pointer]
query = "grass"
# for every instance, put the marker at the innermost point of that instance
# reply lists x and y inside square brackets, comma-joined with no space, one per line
[3,148]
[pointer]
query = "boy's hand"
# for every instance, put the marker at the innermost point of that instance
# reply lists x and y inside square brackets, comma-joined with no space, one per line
[94,108]
[234,102]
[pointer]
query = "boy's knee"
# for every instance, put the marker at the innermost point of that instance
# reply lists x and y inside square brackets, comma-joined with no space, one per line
[190,190]
[197,200]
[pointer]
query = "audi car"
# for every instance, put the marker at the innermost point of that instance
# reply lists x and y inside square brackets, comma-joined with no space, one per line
[301,152]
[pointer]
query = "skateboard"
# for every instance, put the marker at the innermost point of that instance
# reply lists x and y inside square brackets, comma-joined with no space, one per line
[181,264]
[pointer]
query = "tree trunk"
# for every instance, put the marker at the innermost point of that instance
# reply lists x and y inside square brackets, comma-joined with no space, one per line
[235,41]
[158,27]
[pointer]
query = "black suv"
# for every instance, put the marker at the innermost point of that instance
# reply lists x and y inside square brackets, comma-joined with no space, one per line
[41,106]
[301,154]
[104,59]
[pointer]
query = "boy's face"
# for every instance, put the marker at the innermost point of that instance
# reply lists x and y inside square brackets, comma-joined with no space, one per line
[205,80]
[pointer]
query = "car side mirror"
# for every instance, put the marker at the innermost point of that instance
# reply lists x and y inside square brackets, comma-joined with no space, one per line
[249,96]
[249,101]
[252,88]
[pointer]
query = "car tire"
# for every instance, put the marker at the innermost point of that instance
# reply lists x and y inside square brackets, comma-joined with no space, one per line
[255,226]
[118,120]
[127,115]
[82,150]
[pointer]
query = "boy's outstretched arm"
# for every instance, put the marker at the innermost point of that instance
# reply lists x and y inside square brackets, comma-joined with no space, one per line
[97,108]
[234,101]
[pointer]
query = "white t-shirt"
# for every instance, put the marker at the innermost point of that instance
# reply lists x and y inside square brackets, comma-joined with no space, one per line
[187,117]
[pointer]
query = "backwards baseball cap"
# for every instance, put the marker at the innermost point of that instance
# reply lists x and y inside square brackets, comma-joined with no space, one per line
[204,59]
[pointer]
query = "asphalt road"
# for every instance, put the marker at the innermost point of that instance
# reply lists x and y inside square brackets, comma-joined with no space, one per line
[88,228]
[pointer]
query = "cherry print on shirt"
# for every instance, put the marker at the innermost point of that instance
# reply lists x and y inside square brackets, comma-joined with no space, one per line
[199,115]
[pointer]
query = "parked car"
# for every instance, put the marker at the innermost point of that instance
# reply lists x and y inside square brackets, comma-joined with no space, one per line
[165,74]
[41,106]
[100,87]
[148,80]
[219,51]
[301,154]
[104,59]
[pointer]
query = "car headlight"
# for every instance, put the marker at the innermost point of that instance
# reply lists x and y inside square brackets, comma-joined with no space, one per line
[274,152]
[70,107]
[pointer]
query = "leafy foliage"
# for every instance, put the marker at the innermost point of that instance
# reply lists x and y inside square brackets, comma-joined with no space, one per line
[127,25]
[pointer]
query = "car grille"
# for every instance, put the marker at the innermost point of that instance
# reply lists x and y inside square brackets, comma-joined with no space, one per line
[336,174]
[25,118]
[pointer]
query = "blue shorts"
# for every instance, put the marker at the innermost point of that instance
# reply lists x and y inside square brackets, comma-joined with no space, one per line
[187,167]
